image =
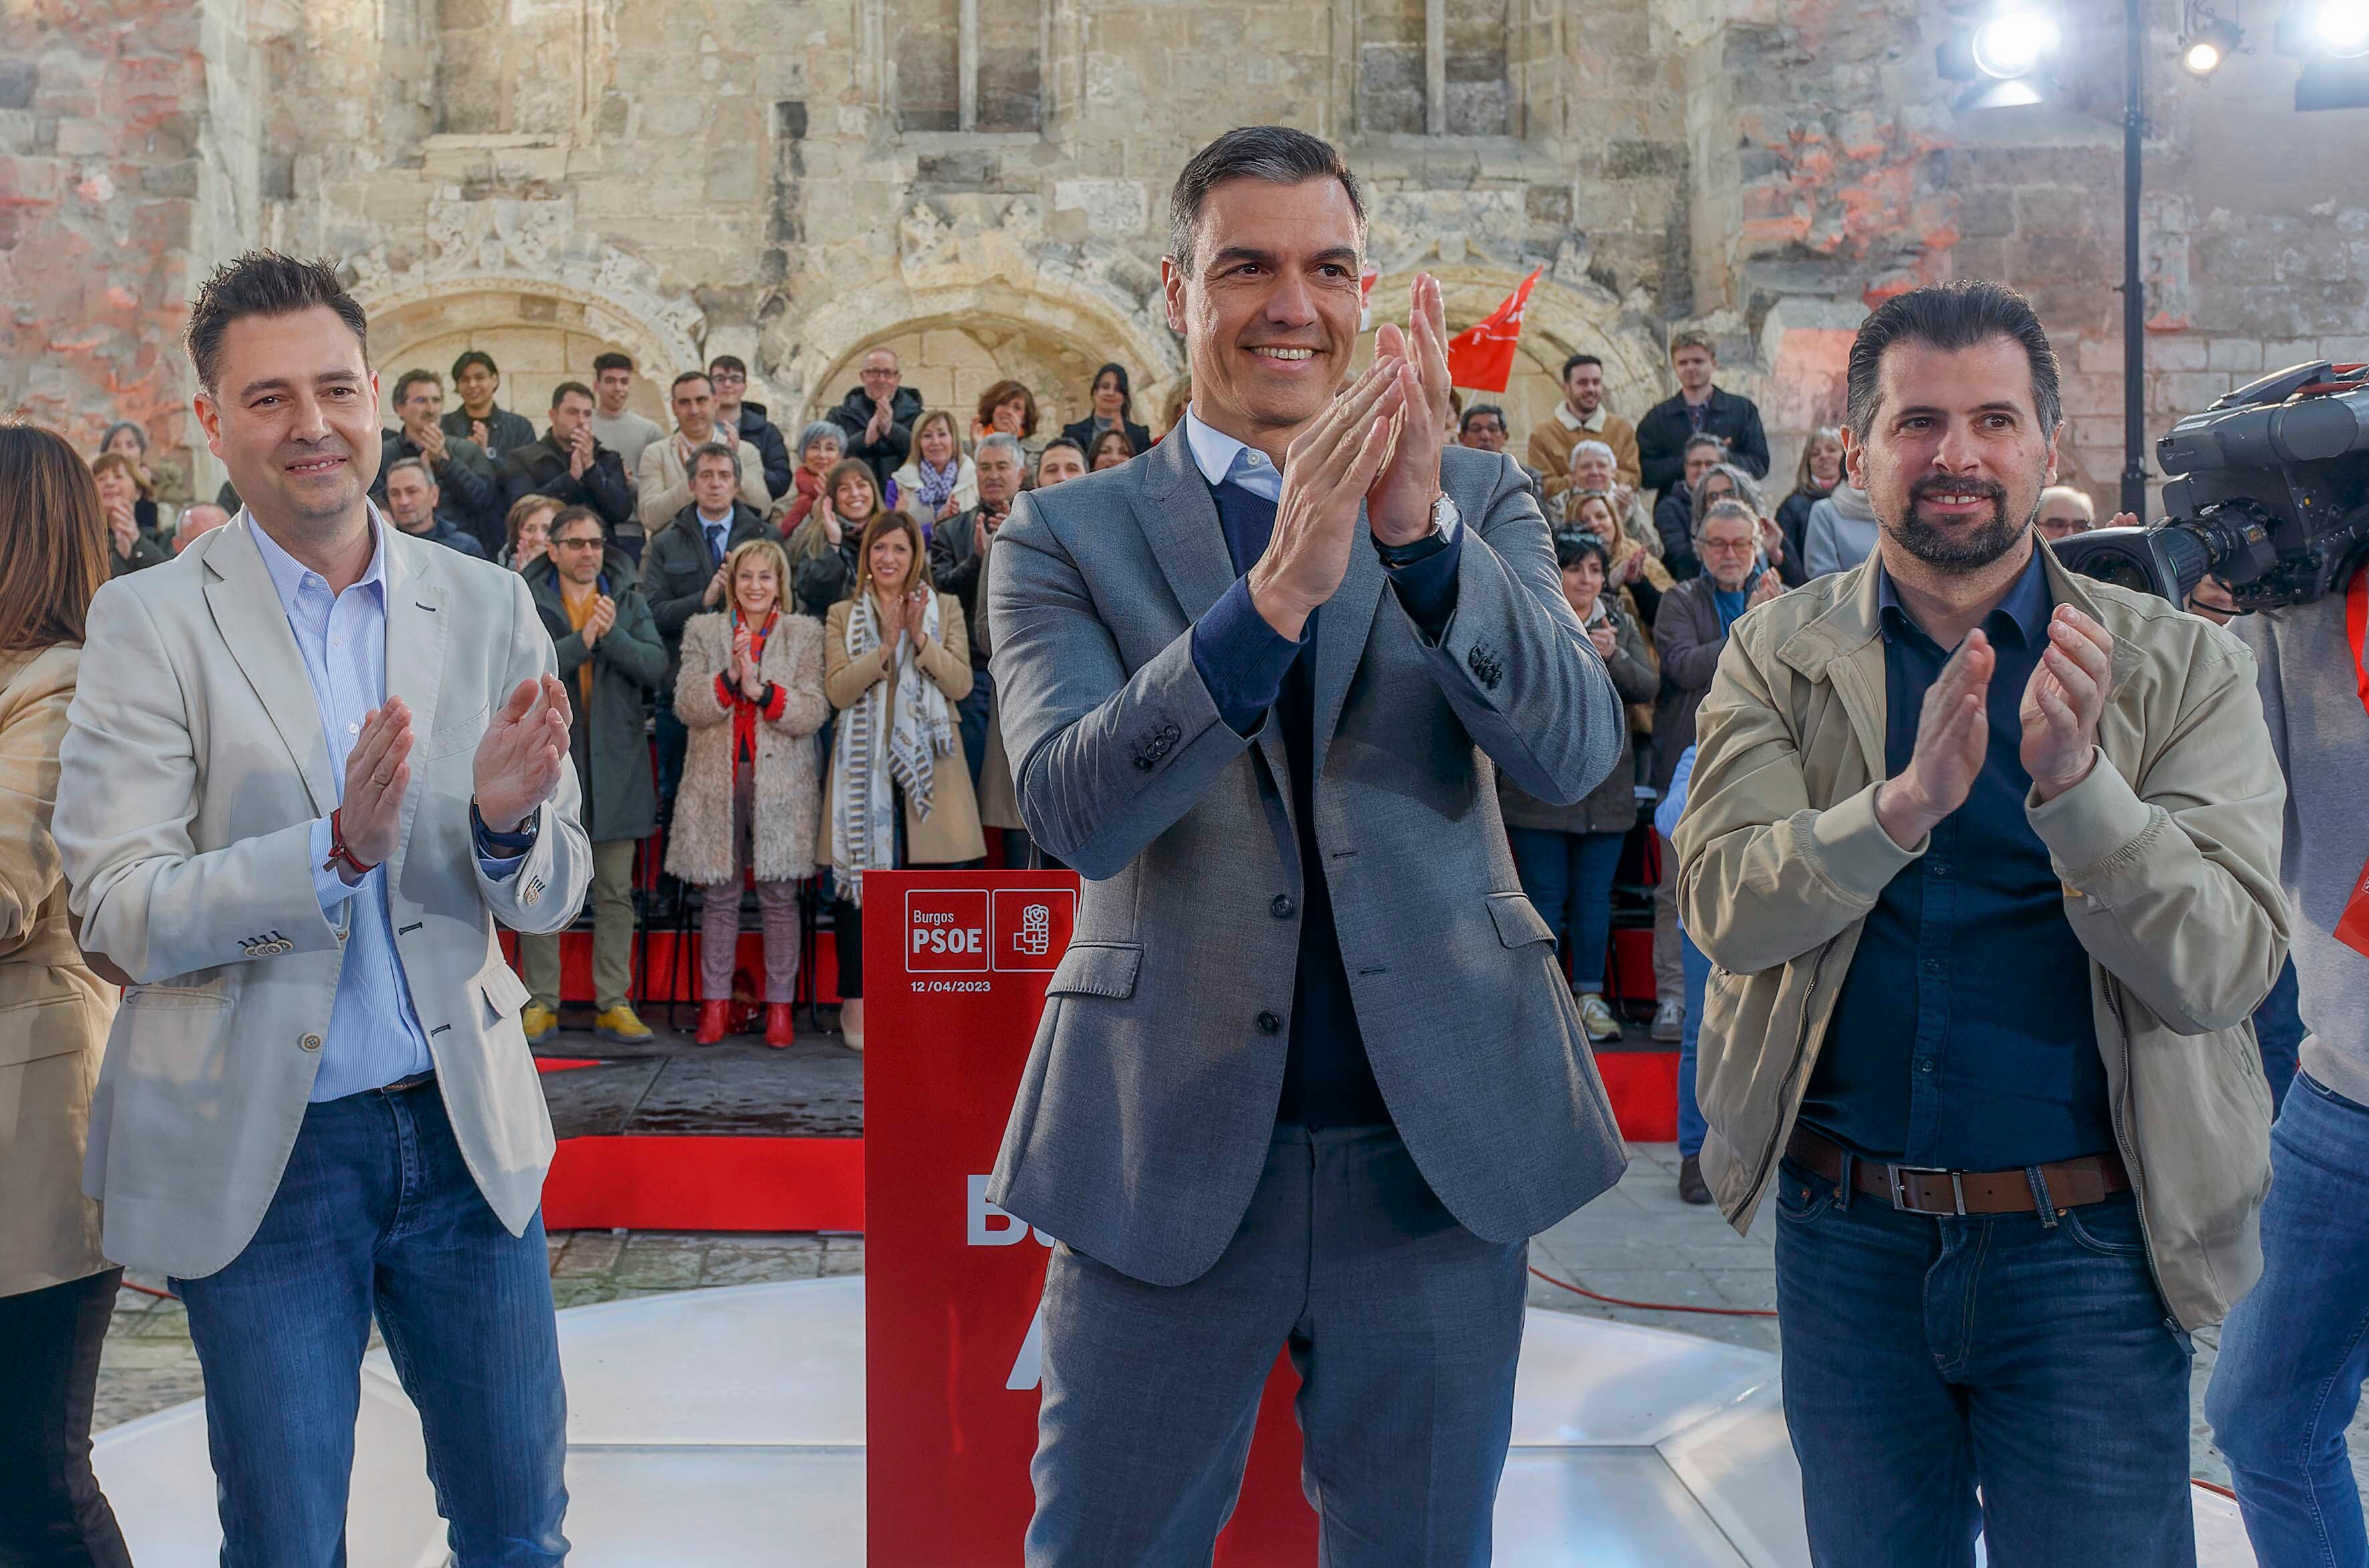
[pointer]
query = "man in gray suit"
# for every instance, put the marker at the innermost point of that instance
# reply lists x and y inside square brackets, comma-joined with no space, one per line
[1308,1075]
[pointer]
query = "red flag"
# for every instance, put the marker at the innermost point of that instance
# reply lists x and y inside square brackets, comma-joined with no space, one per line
[1483,357]
[1365,282]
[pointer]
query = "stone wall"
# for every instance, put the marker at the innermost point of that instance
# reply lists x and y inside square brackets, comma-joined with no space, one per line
[783,179]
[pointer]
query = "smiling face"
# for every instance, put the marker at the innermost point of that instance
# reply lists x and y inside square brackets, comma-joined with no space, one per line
[756,588]
[294,416]
[534,537]
[1011,416]
[694,408]
[1108,398]
[821,453]
[1584,389]
[890,560]
[937,442]
[614,386]
[1825,463]
[1955,458]
[880,375]
[853,499]
[125,442]
[1269,306]
[1596,470]
[999,475]
[477,386]
[1583,580]
[1595,516]
[1725,546]
[1058,463]
[576,551]
[421,406]
[115,488]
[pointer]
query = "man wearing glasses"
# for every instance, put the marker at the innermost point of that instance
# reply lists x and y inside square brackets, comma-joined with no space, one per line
[734,415]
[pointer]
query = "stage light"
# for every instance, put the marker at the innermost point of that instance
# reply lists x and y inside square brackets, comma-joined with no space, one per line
[2208,45]
[2012,42]
[2341,28]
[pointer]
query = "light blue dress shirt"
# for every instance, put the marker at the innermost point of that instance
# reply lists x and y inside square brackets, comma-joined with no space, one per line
[375,1037]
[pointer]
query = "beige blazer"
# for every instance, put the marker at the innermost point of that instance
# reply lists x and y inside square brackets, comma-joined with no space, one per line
[662,487]
[192,770]
[53,1010]
[950,834]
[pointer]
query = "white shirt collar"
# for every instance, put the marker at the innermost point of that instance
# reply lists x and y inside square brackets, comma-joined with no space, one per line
[1213,450]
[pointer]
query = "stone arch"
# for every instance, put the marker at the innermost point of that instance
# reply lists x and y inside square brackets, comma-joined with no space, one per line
[540,331]
[966,335]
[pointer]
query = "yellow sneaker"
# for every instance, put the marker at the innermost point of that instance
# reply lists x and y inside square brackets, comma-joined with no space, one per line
[540,1023]
[620,1023]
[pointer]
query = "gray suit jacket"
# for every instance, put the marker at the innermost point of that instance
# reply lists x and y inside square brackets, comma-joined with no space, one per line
[1149,1098]
[192,768]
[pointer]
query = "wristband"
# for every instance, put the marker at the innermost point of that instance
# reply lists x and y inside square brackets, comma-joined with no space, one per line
[340,852]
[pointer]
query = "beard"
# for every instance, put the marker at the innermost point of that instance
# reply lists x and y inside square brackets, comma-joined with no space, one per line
[1969,549]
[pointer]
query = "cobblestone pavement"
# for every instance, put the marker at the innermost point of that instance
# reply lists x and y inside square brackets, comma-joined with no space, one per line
[1637,1241]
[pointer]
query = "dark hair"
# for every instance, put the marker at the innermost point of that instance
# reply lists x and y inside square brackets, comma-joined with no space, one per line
[1275,152]
[139,434]
[559,392]
[1575,545]
[411,378]
[579,514]
[688,376]
[264,282]
[1003,392]
[1464,424]
[854,467]
[475,356]
[1575,362]
[115,462]
[1043,450]
[1125,397]
[706,450]
[611,361]
[885,522]
[1115,434]
[728,362]
[53,546]
[1952,317]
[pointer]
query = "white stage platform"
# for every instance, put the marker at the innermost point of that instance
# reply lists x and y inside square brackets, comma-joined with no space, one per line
[726,1428]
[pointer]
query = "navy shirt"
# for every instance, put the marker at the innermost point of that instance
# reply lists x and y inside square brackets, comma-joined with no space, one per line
[1250,667]
[1963,1037]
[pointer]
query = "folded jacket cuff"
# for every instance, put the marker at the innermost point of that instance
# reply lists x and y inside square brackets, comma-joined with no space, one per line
[1849,847]
[2091,824]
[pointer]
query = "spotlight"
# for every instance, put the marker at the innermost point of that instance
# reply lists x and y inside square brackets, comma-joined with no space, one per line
[2011,42]
[2212,40]
[2341,28]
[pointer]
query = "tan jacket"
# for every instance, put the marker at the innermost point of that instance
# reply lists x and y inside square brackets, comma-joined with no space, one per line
[54,1012]
[2169,852]
[1551,441]
[951,833]
[662,487]
[788,793]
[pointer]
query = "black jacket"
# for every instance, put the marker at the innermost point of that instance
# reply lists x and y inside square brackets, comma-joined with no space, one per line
[1082,432]
[467,489]
[953,569]
[540,468]
[608,740]
[505,431]
[1793,522]
[772,449]
[1663,433]
[854,417]
[677,568]
[449,533]
[1674,519]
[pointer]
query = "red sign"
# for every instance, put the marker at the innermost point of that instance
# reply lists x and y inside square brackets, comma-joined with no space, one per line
[952,1282]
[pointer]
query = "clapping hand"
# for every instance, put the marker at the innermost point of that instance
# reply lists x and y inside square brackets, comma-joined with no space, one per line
[744,661]
[1769,586]
[517,762]
[580,451]
[1399,501]
[1601,633]
[831,528]
[378,771]
[122,525]
[2063,703]
[431,442]
[1327,471]
[715,589]
[1772,541]
[883,416]
[481,435]
[1952,737]
[604,616]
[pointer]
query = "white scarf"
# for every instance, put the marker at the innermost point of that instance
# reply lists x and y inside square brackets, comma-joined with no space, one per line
[876,751]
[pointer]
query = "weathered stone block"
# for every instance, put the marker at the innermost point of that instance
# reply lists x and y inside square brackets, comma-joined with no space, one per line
[2177,351]
[16,80]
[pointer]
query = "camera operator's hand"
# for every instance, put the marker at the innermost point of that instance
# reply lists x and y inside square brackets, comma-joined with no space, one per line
[2210,598]
[1327,471]
[2063,702]
[1953,731]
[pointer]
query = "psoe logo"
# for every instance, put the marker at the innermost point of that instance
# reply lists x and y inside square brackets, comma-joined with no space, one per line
[946,932]
[1032,927]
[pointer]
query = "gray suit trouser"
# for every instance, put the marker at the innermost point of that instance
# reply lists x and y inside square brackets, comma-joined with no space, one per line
[1404,1327]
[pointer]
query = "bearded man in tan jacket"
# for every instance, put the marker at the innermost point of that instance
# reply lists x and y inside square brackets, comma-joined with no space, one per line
[1985,857]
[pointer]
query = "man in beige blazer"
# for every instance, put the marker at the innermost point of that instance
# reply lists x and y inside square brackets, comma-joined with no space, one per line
[662,478]
[309,764]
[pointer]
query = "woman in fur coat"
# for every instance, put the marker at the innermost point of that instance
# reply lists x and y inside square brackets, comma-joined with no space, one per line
[751,694]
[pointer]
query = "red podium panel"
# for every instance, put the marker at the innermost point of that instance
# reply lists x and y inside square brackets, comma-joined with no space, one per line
[955,970]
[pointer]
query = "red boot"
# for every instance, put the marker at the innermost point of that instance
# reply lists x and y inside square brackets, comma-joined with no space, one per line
[779,1033]
[715,1019]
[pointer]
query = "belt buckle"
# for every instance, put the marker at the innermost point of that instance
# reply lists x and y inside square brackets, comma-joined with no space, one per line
[1957,1186]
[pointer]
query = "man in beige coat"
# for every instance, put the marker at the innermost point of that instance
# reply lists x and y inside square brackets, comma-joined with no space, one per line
[309,765]
[662,479]
[1986,927]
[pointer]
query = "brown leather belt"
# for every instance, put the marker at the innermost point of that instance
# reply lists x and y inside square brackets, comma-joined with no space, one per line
[1914,1190]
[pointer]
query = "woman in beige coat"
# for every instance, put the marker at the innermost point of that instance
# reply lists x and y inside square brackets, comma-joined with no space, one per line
[56,1291]
[750,694]
[895,659]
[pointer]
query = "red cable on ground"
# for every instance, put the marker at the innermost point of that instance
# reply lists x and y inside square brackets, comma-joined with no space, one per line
[150,1290]
[2213,1487]
[1654,1306]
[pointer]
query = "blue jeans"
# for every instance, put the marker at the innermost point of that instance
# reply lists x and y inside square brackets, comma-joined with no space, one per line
[1926,1357]
[376,1215]
[2295,1351]
[1691,1125]
[1569,877]
[2278,1030]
